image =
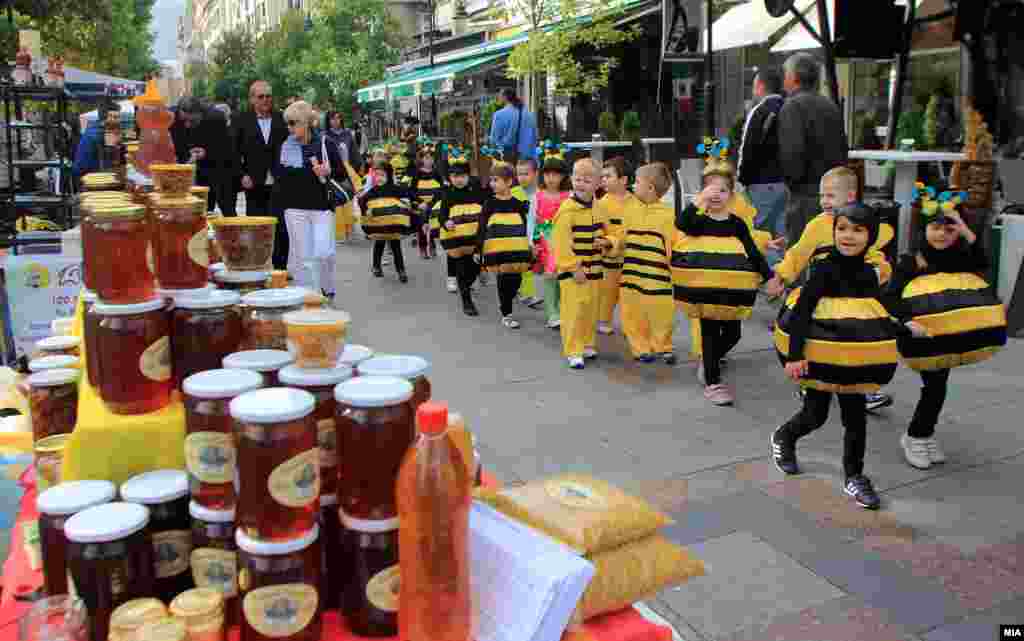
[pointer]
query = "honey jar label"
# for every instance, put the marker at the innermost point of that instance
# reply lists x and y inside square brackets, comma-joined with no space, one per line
[296,482]
[327,439]
[382,589]
[577,495]
[171,551]
[278,611]
[210,457]
[155,362]
[199,248]
[213,568]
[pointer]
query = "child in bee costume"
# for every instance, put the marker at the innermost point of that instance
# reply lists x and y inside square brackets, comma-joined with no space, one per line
[503,242]
[836,338]
[613,208]
[459,210]
[426,184]
[387,216]
[940,288]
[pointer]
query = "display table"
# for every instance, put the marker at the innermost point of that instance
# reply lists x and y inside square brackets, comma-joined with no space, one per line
[905,176]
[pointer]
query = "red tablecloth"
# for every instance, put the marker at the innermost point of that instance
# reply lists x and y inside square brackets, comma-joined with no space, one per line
[19,578]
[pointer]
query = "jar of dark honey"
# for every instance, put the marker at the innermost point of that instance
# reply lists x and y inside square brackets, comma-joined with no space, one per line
[90,322]
[210,454]
[214,555]
[133,356]
[53,402]
[263,317]
[370,599]
[335,567]
[110,559]
[264,361]
[56,505]
[278,463]
[119,254]
[180,243]
[375,429]
[320,383]
[203,331]
[278,588]
[412,368]
[165,493]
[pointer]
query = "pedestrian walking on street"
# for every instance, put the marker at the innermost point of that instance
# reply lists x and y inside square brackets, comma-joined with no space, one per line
[503,246]
[514,129]
[200,136]
[459,216]
[386,217]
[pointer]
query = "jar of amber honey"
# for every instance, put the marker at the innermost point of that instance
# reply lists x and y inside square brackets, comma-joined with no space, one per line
[180,244]
[263,317]
[210,436]
[214,555]
[119,254]
[128,618]
[375,429]
[49,460]
[241,282]
[59,346]
[370,599]
[334,563]
[320,383]
[204,330]
[133,356]
[56,505]
[264,361]
[110,559]
[202,612]
[278,587]
[278,463]
[412,368]
[53,402]
[165,493]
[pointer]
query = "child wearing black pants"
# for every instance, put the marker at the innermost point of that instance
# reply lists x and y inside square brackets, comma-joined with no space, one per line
[503,242]
[387,216]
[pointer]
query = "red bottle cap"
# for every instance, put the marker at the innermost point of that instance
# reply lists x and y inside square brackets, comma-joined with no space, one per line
[432,417]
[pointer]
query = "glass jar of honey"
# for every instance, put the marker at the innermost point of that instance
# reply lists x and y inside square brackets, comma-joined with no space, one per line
[334,563]
[56,505]
[278,587]
[110,559]
[263,317]
[412,368]
[353,355]
[119,254]
[370,600]
[60,361]
[264,361]
[375,429]
[320,383]
[204,330]
[180,243]
[165,493]
[90,323]
[202,612]
[210,435]
[133,356]
[49,459]
[278,463]
[59,346]
[129,617]
[214,559]
[53,402]
[241,282]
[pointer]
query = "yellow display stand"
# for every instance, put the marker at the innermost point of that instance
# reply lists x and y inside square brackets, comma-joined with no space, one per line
[116,447]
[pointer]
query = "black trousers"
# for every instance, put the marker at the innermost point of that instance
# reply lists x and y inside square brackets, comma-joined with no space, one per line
[452,268]
[508,287]
[465,270]
[257,200]
[220,187]
[929,406]
[396,251]
[717,339]
[281,242]
[813,415]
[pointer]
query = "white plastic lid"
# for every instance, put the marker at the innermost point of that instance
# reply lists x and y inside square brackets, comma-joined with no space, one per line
[250,545]
[176,294]
[59,361]
[222,383]
[259,360]
[373,391]
[107,522]
[106,309]
[88,296]
[328,500]
[272,405]
[62,326]
[353,355]
[294,375]
[217,267]
[369,526]
[210,516]
[281,297]
[74,496]
[158,486]
[54,343]
[407,367]
[238,278]
[213,299]
[52,377]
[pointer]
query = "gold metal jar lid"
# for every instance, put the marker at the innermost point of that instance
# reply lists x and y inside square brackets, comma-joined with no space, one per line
[161,168]
[51,444]
[130,616]
[126,210]
[163,630]
[199,190]
[198,606]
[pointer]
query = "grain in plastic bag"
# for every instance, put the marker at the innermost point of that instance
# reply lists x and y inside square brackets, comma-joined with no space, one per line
[582,512]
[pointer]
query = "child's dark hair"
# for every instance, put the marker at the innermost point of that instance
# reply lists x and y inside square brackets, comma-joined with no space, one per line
[620,165]
[503,170]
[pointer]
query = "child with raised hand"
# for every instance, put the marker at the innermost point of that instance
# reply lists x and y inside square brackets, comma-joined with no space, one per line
[554,191]
[503,245]
[527,176]
[612,209]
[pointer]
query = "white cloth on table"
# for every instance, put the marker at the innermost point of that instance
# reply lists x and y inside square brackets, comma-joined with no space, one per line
[311,248]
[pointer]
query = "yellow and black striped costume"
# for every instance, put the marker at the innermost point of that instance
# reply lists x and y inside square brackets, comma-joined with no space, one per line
[585,227]
[645,255]
[462,207]
[576,229]
[505,247]
[387,214]
[427,189]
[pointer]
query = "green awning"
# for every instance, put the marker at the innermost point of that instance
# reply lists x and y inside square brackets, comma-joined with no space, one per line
[424,81]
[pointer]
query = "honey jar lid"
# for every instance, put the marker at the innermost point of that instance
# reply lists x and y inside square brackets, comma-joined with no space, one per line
[131,615]
[61,326]
[197,602]
[219,267]
[407,367]
[294,375]
[57,361]
[167,629]
[249,545]
[53,377]
[179,295]
[367,526]
[353,355]
[107,522]
[108,309]
[281,297]
[272,405]
[317,317]
[239,278]
[118,210]
[243,221]
[259,360]
[88,296]
[171,168]
[52,343]
[74,496]
[51,444]
[158,486]
[222,383]
[201,513]
[373,391]
[213,299]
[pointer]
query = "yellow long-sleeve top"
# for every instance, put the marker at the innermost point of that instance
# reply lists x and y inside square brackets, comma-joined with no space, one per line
[577,227]
[645,244]
[819,234]
[612,212]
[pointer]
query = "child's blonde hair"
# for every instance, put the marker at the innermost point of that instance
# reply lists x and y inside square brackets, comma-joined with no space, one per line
[842,178]
[660,176]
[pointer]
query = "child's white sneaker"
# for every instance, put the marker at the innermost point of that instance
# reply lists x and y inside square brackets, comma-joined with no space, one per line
[453,284]
[510,322]
[935,453]
[554,323]
[915,450]
[576,362]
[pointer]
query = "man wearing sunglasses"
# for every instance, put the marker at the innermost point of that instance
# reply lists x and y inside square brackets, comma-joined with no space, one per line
[200,136]
[259,134]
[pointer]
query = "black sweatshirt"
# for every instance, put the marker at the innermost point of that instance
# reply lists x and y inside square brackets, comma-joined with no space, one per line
[960,258]
[453,196]
[387,190]
[692,223]
[495,205]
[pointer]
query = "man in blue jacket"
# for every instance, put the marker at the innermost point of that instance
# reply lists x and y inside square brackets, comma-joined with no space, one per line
[514,129]
[87,155]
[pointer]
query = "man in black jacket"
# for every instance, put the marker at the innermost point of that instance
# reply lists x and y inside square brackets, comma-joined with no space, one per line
[812,140]
[200,135]
[759,169]
[258,137]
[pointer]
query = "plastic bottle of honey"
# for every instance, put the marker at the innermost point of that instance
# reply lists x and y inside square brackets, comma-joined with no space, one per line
[434,492]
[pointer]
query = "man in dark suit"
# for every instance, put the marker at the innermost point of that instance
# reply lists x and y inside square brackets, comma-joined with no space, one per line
[259,135]
[200,135]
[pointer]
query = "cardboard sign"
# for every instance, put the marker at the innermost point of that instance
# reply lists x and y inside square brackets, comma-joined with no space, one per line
[40,288]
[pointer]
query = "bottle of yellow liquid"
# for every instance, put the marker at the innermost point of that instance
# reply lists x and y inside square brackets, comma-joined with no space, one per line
[463,439]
